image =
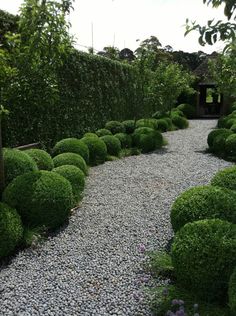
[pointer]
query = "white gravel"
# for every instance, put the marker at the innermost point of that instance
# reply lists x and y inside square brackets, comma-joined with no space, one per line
[95,266]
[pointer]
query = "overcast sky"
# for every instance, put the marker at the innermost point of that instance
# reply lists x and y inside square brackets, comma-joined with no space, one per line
[122,22]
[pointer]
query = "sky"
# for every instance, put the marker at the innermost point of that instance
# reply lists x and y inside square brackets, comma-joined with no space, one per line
[121,23]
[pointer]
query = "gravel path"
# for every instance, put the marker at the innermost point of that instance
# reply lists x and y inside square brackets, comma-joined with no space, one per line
[94,266]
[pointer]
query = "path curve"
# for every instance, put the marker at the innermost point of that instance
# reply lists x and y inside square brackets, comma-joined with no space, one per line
[94,266]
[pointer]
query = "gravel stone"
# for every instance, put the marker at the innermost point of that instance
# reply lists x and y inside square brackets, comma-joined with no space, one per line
[95,266]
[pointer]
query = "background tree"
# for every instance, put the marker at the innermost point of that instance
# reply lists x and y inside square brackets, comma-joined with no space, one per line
[110,52]
[8,23]
[126,54]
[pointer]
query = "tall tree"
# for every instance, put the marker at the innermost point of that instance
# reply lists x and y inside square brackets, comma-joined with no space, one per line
[8,23]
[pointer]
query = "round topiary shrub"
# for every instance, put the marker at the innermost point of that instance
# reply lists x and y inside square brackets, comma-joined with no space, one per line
[16,163]
[225,178]
[103,132]
[188,110]
[232,292]
[230,122]
[90,135]
[204,256]
[70,159]
[42,158]
[97,150]
[125,140]
[11,230]
[204,202]
[75,176]
[169,122]
[233,128]
[150,142]
[42,198]
[179,121]
[151,123]
[219,143]
[115,127]
[222,122]
[129,126]
[176,112]
[230,146]
[113,144]
[214,133]
[162,125]
[71,145]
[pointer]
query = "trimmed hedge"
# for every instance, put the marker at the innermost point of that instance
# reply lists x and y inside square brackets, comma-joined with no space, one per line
[230,146]
[42,158]
[71,145]
[179,121]
[115,127]
[163,125]
[213,134]
[76,178]
[113,144]
[225,178]
[147,139]
[232,293]
[204,256]
[11,230]
[97,150]
[71,159]
[42,198]
[16,163]
[219,143]
[125,140]
[129,125]
[204,202]
[188,110]
[103,132]
[90,135]
[151,123]
[92,91]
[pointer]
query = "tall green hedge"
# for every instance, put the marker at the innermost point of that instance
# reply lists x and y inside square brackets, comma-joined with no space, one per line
[92,91]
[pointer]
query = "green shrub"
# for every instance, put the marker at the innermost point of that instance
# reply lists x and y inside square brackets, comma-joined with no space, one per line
[151,123]
[90,135]
[70,159]
[42,198]
[71,145]
[180,122]
[163,125]
[125,140]
[113,144]
[159,115]
[233,128]
[115,127]
[176,112]
[129,126]
[150,142]
[225,178]
[222,122]
[204,256]
[230,122]
[75,176]
[230,146]
[103,132]
[188,110]
[219,143]
[97,150]
[16,163]
[232,292]
[169,122]
[11,230]
[42,158]
[214,133]
[204,202]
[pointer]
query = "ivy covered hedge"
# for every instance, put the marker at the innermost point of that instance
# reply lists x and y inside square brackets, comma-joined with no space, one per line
[92,91]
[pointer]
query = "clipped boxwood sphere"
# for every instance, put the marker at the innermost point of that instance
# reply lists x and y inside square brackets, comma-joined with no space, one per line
[232,292]
[71,145]
[230,122]
[169,122]
[129,126]
[16,163]
[90,135]
[70,159]
[225,178]
[11,230]
[188,110]
[214,133]
[115,127]
[42,198]
[102,132]
[125,140]
[75,176]
[113,144]
[151,122]
[204,202]
[42,158]
[222,122]
[156,136]
[219,143]
[146,143]
[233,128]
[176,112]
[230,146]
[97,150]
[204,256]
[162,125]
[180,122]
